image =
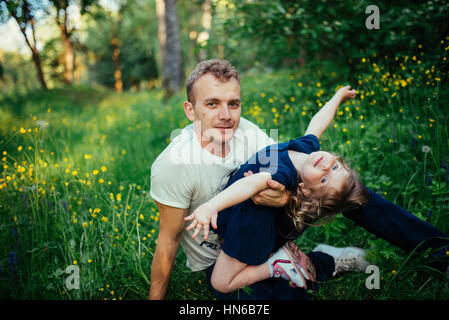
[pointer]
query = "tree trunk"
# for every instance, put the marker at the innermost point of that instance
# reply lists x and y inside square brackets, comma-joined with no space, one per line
[118,85]
[161,33]
[68,55]
[38,64]
[116,24]
[67,46]
[172,74]
[33,48]
[206,23]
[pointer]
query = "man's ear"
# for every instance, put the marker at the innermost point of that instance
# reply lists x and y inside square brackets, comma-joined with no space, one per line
[188,110]
[304,190]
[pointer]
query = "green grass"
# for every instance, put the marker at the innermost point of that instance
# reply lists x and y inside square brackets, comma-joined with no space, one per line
[97,150]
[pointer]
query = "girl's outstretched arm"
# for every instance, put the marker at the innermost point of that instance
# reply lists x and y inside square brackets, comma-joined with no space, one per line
[239,191]
[323,118]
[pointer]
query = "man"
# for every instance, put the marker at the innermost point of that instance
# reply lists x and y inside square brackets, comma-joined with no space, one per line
[196,165]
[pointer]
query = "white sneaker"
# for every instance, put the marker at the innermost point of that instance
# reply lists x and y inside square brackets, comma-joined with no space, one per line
[346,259]
[285,267]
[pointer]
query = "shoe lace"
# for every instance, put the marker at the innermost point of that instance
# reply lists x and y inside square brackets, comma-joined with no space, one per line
[345,264]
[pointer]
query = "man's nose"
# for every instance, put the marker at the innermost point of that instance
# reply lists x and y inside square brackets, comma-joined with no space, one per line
[224,113]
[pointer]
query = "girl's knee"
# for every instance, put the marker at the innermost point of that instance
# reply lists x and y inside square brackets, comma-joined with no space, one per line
[219,284]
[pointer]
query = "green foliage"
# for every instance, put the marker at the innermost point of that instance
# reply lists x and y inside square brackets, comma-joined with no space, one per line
[277,33]
[19,76]
[137,59]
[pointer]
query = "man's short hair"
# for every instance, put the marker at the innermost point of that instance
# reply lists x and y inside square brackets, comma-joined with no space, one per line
[220,69]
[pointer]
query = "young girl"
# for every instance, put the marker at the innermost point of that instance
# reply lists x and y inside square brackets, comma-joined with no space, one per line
[319,185]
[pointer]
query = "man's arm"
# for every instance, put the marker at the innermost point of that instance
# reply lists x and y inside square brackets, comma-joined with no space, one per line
[275,195]
[171,225]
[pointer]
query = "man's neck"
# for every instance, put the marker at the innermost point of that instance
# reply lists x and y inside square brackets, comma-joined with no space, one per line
[219,149]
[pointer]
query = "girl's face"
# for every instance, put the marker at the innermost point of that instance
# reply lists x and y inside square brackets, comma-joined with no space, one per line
[322,172]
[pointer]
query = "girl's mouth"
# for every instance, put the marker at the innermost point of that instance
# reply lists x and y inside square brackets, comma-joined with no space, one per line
[318,161]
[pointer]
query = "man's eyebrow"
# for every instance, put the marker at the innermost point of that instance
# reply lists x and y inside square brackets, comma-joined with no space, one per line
[211,99]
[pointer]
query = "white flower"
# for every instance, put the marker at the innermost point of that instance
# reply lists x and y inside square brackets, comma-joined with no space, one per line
[425,149]
[42,124]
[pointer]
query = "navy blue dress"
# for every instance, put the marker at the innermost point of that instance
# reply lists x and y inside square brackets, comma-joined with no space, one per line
[249,231]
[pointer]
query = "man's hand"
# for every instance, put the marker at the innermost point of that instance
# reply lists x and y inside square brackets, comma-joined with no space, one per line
[274,196]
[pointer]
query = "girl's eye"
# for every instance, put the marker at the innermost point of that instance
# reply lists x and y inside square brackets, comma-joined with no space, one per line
[335,167]
[323,180]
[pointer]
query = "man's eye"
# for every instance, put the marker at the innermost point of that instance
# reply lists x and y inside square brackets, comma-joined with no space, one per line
[234,105]
[323,180]
[211,104]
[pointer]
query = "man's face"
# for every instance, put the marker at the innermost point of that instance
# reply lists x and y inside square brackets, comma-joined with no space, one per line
[217,108]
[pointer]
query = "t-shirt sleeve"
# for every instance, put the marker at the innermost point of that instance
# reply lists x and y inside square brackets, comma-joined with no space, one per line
[283,175]
[257,138]
[281,172]
[306,144]
[170,184]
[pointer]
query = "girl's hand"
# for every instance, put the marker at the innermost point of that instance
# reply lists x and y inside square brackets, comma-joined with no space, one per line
[202,217]
[346,93]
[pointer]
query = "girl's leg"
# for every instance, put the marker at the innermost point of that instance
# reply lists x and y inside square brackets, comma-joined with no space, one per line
[230,274]
[398,226]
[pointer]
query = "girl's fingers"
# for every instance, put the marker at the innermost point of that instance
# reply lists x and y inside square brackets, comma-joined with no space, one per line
[197,231]
[191,226]
[214,221]
[206,231]
[248,173]
[189,217]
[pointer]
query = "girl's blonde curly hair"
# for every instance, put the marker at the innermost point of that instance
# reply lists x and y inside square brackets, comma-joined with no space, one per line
[306,210]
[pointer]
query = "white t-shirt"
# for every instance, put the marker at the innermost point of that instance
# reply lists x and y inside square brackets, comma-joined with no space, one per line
[185,176]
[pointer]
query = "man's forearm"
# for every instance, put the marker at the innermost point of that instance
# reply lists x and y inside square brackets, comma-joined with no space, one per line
[161,268]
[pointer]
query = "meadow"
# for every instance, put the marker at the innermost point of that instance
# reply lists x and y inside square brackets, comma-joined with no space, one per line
[75,177]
